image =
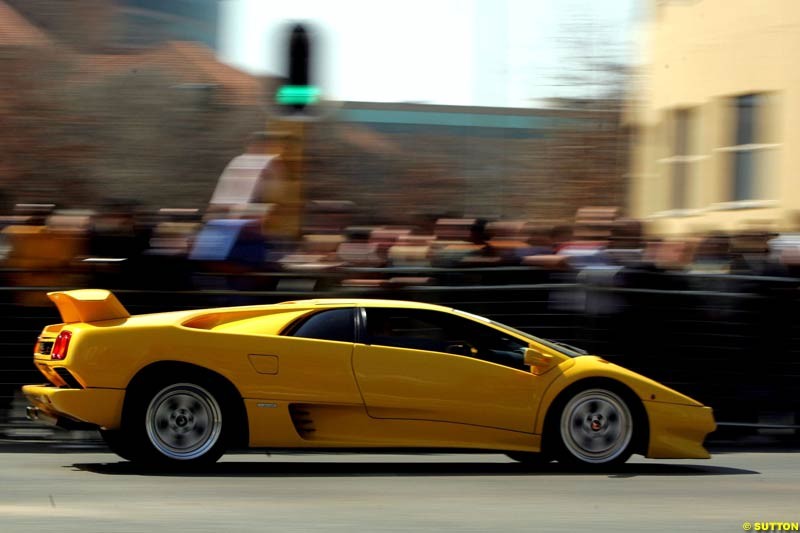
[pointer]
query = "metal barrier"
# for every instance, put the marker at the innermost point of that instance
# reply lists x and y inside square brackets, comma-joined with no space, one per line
[728,341]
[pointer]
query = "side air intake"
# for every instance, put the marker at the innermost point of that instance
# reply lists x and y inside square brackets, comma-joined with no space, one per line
[301,418]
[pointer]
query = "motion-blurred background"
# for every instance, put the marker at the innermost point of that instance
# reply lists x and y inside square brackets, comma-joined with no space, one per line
[618,175]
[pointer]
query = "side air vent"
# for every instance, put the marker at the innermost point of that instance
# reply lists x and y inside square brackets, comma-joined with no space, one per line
[68,378]
[301,418]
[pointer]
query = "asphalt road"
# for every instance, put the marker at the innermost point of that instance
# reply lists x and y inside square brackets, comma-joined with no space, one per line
[59,489]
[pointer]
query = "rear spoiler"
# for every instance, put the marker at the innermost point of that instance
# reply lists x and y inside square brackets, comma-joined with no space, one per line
[88,305]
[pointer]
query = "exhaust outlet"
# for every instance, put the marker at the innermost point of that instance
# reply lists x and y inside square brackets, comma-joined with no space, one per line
[32,413]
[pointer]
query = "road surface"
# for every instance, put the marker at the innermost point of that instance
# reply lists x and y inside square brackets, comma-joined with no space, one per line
[64,490]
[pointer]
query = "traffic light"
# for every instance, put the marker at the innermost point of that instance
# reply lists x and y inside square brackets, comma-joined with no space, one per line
[298,92]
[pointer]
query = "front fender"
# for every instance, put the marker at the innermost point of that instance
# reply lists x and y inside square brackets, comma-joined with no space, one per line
[592,367]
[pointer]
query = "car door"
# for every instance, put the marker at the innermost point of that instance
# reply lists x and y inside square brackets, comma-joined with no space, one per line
[430,365]
[311,361]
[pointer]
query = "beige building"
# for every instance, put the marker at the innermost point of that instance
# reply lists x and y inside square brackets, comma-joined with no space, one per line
[717,144]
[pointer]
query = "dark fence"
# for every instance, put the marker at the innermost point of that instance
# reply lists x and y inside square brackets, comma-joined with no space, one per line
[728,341]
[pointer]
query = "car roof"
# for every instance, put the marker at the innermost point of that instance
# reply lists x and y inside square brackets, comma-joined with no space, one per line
[365,302]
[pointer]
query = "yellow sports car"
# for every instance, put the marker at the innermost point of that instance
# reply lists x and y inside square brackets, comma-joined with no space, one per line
[180,388]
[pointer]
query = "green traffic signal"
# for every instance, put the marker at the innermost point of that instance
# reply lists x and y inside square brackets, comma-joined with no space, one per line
[297,95]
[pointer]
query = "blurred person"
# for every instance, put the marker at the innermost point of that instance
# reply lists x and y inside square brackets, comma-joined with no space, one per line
[114,232]
[358,250]
[483,253]
[540,240]
[411,251]
[668,255]
[509,241]
[232,244]
[560,235]
[43,245]
[713,255]
[585,253]
[239,243]
[626,247]
[591,236]
[472,249]
[784,252]
[117,244]
[385,238]
[544,246]
[752,254]
[328,217]
[452,242]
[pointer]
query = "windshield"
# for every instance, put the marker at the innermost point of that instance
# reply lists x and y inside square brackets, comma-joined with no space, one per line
[560,347]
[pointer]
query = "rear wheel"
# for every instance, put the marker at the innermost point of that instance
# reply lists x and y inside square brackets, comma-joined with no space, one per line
[184,422]
[178,423]
[595,428]
[118,444]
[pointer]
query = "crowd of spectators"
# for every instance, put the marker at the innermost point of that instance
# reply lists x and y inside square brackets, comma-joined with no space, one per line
[125,246]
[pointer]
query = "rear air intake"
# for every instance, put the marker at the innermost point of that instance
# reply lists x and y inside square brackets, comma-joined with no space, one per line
[301,418]
[68,378]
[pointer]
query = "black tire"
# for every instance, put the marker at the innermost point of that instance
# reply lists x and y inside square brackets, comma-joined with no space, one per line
[118,443]
[529,458]
[178,421]
[596,427]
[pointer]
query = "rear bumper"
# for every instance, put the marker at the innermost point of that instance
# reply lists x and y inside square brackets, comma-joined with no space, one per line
[37,415]
[678,431]
[97,407]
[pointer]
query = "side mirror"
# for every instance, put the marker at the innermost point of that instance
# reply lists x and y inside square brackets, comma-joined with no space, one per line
[539,362]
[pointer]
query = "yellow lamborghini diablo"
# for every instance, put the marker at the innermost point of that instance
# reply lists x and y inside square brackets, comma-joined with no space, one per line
[183,387]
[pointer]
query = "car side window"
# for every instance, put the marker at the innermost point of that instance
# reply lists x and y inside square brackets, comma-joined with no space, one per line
[435,331]
[329,325]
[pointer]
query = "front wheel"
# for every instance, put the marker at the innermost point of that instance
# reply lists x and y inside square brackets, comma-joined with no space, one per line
[596,428]
[529,458]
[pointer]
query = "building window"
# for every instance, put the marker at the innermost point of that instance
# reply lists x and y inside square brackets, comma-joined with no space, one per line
[681,165]
[746,148]
[681,160]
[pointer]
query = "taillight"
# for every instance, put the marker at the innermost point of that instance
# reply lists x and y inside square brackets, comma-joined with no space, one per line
[61,346]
